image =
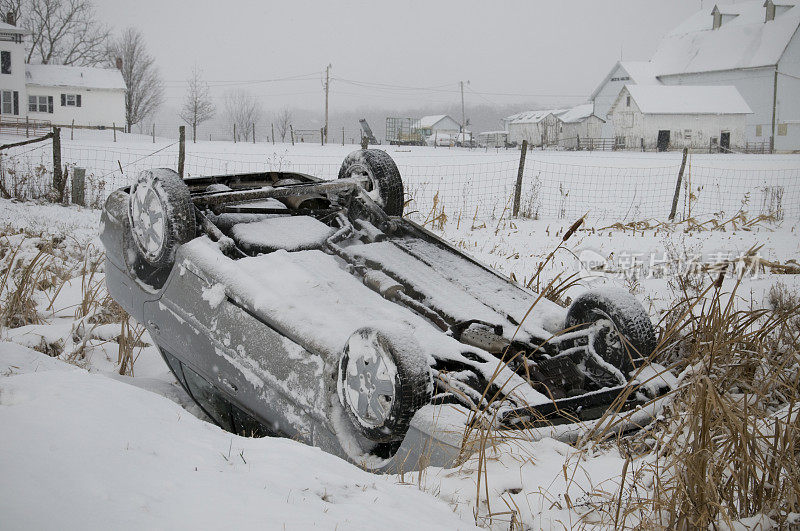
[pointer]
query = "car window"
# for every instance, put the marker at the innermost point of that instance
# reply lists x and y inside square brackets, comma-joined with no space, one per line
[174,365]
[247,426]
[212,402]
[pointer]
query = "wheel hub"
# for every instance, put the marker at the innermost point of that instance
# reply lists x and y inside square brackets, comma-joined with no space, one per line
[148,220]
[369,380]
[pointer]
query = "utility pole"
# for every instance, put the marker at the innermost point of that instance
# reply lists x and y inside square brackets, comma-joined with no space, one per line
[327,87]
[463,118]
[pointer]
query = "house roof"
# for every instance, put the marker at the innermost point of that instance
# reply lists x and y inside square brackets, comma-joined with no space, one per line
[74,76]
[640,72]
[8,28]
[578,114]
[686,99]
[429,121]
[743,41]
[533,117]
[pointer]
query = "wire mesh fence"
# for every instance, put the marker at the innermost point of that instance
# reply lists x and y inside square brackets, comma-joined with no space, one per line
[467,185]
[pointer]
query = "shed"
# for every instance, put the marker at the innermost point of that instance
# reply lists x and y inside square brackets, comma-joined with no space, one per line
[437,123]
[537,127]
[579,123]
[665,117]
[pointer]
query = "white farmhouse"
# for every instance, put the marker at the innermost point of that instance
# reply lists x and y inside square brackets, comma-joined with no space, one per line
[664,117]
[438,124]
[753,46]
[56,94]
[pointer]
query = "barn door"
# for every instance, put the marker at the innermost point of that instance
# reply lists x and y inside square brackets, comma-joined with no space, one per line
[663,140]
[725,141]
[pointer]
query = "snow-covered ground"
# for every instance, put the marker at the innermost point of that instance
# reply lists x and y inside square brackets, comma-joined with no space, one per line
[86,447]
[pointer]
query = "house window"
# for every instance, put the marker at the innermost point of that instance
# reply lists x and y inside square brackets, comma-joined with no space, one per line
[628,101]
[40,104]
[70,100]
[5,62]
[9,102]
[783,129]
[758,130]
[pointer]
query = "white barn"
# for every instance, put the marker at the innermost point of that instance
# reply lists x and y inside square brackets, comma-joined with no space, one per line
[753,46]
[438,124]
[579,123]
[56,94]
[665,117]
[537,127]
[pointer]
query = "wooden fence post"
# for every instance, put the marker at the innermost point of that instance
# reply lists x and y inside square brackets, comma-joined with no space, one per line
[254,132]
[321,136]
[114,127]
[291,131]
[678,186]
[234,133]
[71,130]
[520,172]
[272,127]
[79,186]
[342,135]
[58,185]
[154,133]
[26,126]
[181,149]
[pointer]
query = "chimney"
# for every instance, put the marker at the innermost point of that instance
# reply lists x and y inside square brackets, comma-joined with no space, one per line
[770,11]
[10,19]
[119,63]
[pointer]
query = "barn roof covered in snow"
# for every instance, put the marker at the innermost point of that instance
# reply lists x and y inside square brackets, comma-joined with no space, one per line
[533,117]
[683,99]
[74,76]
[577,114]
[744,40]
[429,121]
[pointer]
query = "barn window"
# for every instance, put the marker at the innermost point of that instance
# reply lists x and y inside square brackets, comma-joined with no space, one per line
[758,130]
[5,62]
[628,101]
[783,129]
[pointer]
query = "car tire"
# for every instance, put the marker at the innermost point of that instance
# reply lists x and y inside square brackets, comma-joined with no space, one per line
[386,185]
[629,319]
[161,216]
[383,380]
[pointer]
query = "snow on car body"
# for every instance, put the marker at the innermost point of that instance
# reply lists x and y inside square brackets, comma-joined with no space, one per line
[291,306]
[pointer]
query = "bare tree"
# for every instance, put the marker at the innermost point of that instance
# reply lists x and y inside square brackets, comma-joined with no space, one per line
[242,110]
[61,31]
[197,107]
[145,88]
[283,119]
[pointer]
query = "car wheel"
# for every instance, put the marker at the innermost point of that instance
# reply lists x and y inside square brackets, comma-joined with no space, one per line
[382,383]
[631,334]
[385,183]
[161,216]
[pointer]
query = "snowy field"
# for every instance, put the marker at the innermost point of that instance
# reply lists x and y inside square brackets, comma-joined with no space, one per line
[86,447]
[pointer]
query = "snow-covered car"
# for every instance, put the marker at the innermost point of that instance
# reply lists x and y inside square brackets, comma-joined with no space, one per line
[288,305]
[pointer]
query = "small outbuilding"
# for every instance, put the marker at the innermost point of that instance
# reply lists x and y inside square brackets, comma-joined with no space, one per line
[672,117]
[579,124]
[438,124]
[537,127]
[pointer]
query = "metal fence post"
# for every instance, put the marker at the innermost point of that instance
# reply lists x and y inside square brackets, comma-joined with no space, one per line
[79,186]
[57,175]
[520,172]
[181,149]
[678,186]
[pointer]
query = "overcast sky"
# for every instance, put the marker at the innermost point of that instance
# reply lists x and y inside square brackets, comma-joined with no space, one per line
[384,53]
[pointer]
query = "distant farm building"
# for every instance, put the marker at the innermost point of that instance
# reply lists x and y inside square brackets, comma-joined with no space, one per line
[663,117]
[753,46]
[437,124]
[537,127]
[493,139]
[578,125]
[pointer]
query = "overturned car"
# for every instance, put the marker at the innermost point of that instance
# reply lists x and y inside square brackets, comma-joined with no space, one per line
[288,305]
